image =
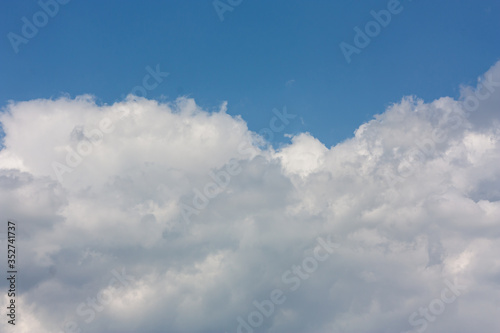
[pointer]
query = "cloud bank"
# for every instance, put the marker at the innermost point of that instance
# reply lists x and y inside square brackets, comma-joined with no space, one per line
[149,217]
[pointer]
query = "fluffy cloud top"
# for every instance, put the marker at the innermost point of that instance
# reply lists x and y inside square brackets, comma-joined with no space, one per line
[149,217]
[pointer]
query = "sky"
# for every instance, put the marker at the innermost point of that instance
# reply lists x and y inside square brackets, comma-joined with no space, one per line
[263,55]
[250,166]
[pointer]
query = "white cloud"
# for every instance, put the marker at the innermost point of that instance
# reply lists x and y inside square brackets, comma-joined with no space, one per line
[412,199]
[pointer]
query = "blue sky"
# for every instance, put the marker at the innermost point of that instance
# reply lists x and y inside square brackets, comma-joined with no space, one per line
[102,48]
[138,216]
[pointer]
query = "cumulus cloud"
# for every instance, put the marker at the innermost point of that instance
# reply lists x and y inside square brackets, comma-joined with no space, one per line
[101,194]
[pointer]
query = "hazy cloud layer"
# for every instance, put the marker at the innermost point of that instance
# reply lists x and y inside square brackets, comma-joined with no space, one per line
[206,218]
